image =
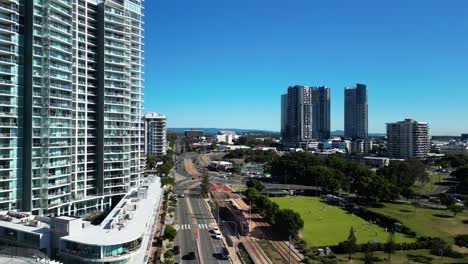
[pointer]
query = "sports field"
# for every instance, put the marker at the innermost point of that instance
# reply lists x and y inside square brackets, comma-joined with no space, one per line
[326,225]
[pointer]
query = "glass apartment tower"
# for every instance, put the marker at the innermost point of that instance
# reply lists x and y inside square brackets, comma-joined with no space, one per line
[70,104]
[356,112]
[305,115]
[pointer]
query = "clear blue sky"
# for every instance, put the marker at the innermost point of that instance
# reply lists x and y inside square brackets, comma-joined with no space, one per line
[222,63]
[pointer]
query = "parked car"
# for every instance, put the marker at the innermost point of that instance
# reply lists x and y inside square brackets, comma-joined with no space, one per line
[177,250]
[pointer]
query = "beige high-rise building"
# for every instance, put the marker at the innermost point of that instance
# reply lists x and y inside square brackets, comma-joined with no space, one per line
[408,138]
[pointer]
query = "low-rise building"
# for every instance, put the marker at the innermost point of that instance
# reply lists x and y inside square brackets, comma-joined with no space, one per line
[24,230]
[124,236]
[227,137]
[337,144]
[454,149]
[361,146]
[194,135]
[375,162]
[221,165]
[231,147]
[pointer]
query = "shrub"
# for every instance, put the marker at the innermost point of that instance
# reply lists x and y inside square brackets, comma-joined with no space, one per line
[169,254]
[170,233]
[461,241]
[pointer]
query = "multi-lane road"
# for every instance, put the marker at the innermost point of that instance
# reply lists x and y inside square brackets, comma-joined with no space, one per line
[193,221]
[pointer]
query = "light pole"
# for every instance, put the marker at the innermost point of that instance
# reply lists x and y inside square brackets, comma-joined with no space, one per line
[235,235]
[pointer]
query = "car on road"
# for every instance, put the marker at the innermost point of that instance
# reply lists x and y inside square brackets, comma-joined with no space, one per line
[181,195]
[217,235]
[214,229]
[177,250]
[224,254]
[189,256]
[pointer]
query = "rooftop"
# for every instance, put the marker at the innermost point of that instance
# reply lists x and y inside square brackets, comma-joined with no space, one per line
[24,222]
[127,221]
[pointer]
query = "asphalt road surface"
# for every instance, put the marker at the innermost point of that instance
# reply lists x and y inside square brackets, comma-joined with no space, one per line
[193,214]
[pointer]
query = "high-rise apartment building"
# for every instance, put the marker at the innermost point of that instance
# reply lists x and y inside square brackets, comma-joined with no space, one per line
[155,134]
[408,138]
[284,113]
[70,104]
[321,113]
[298,131]
[356,112]
[305,115]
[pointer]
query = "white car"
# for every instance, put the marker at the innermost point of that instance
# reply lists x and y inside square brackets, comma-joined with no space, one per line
[218,236]
[214,230]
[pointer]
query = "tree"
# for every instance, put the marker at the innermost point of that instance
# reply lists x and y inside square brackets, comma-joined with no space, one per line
[151,162]
[440,247]
[205,185]
[461,241]
[170,233]
[446,200]
[254,183]
[350,246]
[329,179]
[252,194]
[390,245]
[462,176]
[288,222]
[368,257]
[456,209]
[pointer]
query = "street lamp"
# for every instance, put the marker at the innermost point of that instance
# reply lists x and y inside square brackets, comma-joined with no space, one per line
[235,235]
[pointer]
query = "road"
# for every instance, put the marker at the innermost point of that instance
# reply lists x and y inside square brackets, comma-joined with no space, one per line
[193,217]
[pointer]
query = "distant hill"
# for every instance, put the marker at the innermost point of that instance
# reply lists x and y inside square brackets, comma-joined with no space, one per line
[213,130]
[337,133]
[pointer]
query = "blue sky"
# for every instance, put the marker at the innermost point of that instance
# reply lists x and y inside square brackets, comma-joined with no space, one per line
[220,63]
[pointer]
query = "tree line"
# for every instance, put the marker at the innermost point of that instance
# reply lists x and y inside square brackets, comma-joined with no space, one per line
[250,155]
[285,221]
[334,173]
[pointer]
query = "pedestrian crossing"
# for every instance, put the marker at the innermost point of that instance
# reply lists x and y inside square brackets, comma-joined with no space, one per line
[191,226]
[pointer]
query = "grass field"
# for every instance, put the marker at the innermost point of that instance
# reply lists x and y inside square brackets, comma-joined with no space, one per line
[427,221]
[326,225]
[410,256]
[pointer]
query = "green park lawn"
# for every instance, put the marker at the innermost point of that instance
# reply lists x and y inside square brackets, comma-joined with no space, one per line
[326,225]
[399,257]
[427,221]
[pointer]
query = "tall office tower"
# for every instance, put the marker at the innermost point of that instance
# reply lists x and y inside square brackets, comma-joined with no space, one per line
[75,68]
[155,134]
[408,138]
[284,114]
[356,113]
[321,113]
[298,132]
